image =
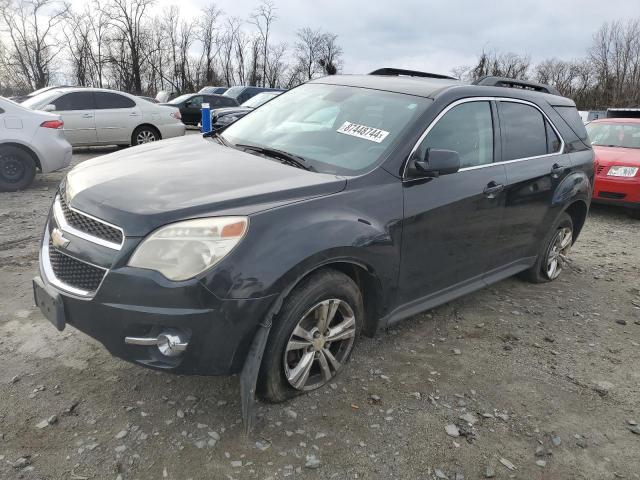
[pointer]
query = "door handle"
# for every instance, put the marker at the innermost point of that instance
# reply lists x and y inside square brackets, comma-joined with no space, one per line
[492,188]
[133,114]
[87,115]
[556,170]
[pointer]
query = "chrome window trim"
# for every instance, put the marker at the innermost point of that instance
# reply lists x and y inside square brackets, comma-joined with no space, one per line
[484,99]
[64,225]
[50,276]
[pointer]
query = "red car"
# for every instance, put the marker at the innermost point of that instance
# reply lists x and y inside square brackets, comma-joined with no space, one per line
[616,144]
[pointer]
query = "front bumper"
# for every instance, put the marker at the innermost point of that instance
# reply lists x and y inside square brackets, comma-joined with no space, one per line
[623,191]
[134,302]
[130,304]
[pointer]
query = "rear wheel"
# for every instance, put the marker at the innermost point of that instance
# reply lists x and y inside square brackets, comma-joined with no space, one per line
[17,169]
[144,134]
[553,254]
[312,337]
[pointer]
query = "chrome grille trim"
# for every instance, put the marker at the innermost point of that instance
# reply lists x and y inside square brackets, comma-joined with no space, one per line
[48,273]
[62,222]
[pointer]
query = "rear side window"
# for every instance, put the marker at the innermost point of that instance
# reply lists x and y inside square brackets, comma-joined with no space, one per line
[74,101]
[524,131]
[466,129]
[572,117]
[105,100]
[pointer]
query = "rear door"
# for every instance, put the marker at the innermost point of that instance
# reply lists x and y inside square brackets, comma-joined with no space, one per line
[532,151]
[452,222]
[77,111]
[116,118]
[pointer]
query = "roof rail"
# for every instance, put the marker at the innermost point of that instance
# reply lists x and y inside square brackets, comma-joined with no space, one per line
[490,81]
[396,72]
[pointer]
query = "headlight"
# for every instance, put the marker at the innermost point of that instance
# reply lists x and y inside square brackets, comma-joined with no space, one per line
[619,171]
[182,250]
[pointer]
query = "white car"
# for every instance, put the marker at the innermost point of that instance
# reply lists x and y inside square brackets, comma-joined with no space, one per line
[29,141]
[95,116]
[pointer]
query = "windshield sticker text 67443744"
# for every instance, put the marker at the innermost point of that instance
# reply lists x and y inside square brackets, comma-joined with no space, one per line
[362,131]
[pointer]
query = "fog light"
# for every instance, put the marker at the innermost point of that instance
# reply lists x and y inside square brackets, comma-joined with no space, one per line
[171,344]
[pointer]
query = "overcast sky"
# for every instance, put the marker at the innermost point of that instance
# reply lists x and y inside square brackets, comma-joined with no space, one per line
[438,35]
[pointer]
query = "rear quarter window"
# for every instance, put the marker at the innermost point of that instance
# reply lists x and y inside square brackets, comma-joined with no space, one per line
[571,116]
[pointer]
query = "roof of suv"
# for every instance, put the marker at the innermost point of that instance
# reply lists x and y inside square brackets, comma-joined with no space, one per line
[433,87]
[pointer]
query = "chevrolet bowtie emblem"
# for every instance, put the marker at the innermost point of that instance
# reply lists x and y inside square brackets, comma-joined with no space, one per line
[58,239]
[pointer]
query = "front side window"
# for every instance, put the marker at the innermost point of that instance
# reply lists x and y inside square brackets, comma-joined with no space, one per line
[524,131]
[195,102]
[467,129]
[74,101]
[337,129]
[107,100]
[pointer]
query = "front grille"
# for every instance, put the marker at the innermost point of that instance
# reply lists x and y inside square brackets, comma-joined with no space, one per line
[89,225]
[74,273]
[600,169]
[612,195]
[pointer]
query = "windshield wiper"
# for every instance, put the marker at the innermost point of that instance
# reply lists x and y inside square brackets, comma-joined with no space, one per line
[284,157]
[216,134]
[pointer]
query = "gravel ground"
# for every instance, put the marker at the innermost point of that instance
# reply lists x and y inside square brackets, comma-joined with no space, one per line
[515,381]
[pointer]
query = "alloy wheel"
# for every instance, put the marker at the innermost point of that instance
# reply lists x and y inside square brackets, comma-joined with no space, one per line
[145,136]
[558,251]
[320,344]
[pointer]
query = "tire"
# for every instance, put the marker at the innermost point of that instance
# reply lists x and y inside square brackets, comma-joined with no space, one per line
[17,168]
[555,242]
[144,134]
[634,213]
[325,291]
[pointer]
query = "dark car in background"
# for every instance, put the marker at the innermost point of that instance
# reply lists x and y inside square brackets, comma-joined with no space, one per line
[338,208]
[222,117]
[213,90]
[190,105]
[243,93]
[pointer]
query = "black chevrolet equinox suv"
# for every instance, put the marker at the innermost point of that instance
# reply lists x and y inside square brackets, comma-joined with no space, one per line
[338,208]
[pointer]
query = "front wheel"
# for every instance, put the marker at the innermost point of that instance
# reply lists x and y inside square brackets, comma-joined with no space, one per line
[554,251]
[312,336]
[17,169]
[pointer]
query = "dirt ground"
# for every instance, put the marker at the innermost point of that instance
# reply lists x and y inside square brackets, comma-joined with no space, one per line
[549,376]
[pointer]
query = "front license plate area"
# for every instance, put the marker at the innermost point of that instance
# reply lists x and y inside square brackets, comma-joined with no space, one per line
[50,303]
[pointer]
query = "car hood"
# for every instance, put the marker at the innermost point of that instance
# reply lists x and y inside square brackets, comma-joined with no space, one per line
[608,156]
[142,188]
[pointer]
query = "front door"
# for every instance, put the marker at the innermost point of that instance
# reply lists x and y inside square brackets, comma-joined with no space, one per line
[191,113]
[451,222]
[77,112]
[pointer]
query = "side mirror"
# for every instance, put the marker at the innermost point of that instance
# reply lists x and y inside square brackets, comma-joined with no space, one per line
[49,108]
[435,163]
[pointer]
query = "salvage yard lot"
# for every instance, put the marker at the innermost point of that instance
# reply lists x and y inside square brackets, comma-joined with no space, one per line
[547,378]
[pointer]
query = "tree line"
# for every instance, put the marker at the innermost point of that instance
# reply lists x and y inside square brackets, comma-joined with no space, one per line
[608,75]
[125,45]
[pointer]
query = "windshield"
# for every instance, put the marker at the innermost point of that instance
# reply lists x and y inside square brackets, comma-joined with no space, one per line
[180,99]
[259,99]
[625,135]
[38,101]
[336,129]
[234,92]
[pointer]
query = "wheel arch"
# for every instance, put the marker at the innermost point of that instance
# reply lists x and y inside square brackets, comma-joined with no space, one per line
[578,211]
[142,125]
[26,149]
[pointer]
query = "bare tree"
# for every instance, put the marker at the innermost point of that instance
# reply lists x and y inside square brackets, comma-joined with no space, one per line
[331,54]
[263,17]
[209,38]
[127,17]
[308,51]
[30,25]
